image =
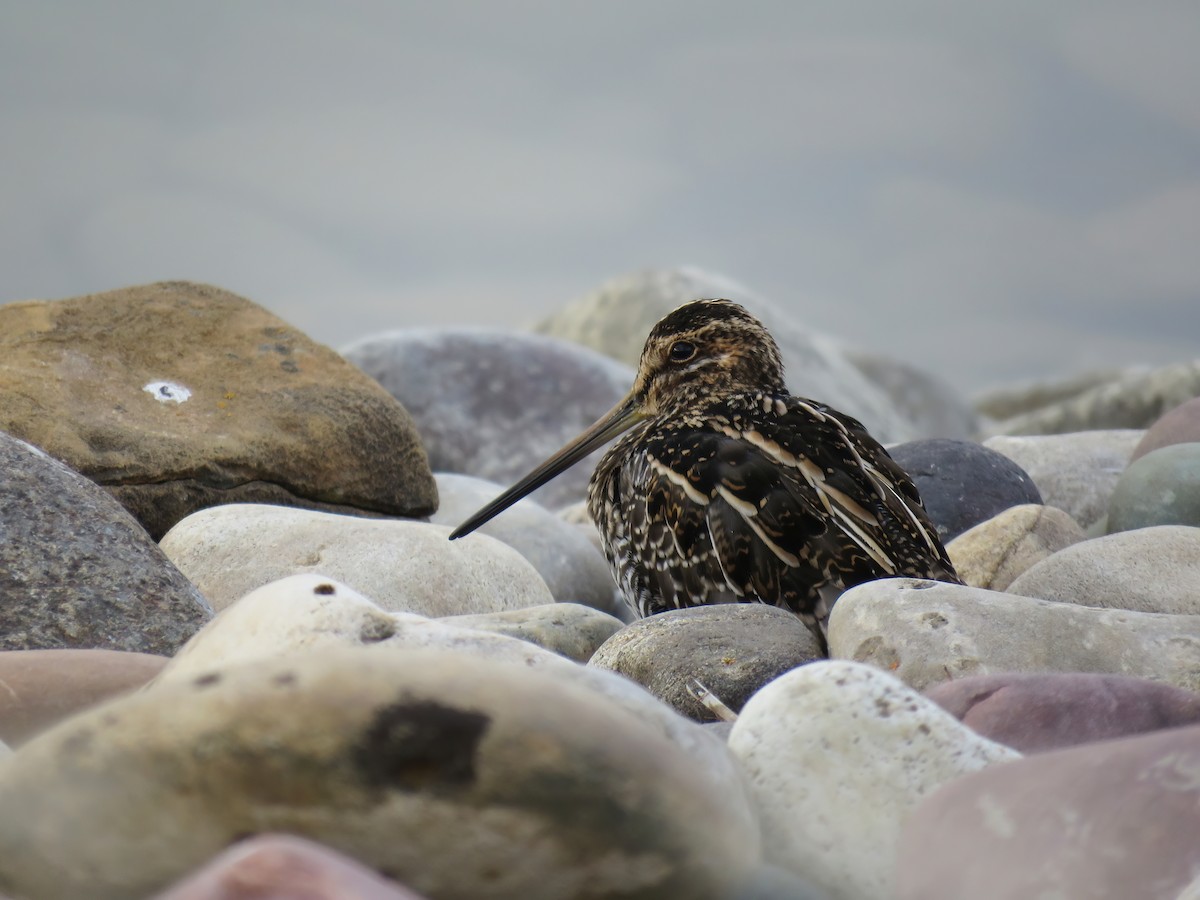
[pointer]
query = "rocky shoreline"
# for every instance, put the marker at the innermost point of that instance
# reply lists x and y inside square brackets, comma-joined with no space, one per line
[238,654]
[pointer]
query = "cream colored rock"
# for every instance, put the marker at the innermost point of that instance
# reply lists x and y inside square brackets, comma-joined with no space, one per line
[228,551]
[838,754]
[461,777]
[310,612]
[926,632]
[306,612]
[996,551]
[1153,570]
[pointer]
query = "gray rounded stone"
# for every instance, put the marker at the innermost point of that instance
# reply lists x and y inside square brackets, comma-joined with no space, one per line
[1160,488]
[616,318]
[76,569]
[457,776]
[1074,472]
[733,649]
[229,551]
[933,406]
[494,404]
[572,566]
[993,553]
[1152,570]
[838,754]
[926,632]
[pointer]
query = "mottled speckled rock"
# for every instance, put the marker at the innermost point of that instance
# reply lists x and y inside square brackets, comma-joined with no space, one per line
[177,396]
[1038,712]
[838,754]
[616,318]
[229,551]
[1134,401]
[1160,488]
[1153,570]
[1117,819]
[572,566]
[308,612]
[1180,425]
[76,570]
[40,687]
[437,768]
[1010,400]
[962,483]
[279,866]
[568,629]
[926,631]
[995,552]
[1075,472]
[494,404]
[732,648]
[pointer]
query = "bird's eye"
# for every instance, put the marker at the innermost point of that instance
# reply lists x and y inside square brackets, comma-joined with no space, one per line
[682,351]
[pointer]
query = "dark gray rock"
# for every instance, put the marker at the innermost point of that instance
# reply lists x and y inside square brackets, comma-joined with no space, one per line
[180,396]
[732,648]
[1117,819]
[1046,711]
[963,483]
[76,570]
[494,404]
[1160,488]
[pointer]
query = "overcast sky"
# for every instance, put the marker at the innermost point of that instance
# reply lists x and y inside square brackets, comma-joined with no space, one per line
[995,189]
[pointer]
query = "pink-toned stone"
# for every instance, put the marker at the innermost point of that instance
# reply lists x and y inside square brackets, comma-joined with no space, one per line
[1180,425]
[283,867]
[1038,712]
[40,687]
[1116,820]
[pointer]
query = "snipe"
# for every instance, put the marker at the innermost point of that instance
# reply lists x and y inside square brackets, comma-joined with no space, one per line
[727,488]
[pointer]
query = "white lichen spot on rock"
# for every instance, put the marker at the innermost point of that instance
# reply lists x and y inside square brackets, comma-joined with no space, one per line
[167,392]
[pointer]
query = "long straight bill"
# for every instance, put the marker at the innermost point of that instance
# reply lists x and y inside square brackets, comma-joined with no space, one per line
[620,418]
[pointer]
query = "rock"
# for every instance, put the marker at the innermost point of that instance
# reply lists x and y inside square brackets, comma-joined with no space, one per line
[616,318]
[282,866]
[1033,713]
[838,754]
[733,649]
[1116,819]
[1133,401]
[1160,488]
[229,551]
[1008,401]
[572,566]
[494,404]
[309,612]
[1151,570]
[1180,425]
[993,553]
[568,629]
[177,396]
[962,483]
[935,409]
[40,687]
[76,570]
[926,631]
[435,768]
[769,882]
[1075,472]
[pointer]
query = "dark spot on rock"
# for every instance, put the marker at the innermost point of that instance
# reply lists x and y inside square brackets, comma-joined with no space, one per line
[915,585]
[883,707]
[289,365]
[374,632]
[324,589]
[207,680]
[78,742]
[924,729]
[421,746]
[935,620]
[284,679]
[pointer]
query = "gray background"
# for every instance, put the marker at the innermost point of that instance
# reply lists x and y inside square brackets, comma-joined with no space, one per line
[998,190]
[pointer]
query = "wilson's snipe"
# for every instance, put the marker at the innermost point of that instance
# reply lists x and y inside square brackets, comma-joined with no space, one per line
[729,489]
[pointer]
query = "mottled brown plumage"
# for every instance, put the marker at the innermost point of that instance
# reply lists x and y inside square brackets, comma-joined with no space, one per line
[727,488]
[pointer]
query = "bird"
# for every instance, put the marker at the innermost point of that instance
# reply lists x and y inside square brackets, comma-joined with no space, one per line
[727,488]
